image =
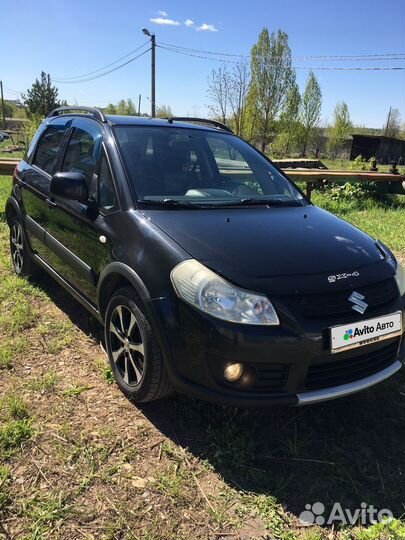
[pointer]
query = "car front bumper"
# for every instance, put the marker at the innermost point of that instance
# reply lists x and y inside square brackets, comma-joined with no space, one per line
[291,363]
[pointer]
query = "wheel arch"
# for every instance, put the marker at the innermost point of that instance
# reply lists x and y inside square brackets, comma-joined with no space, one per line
[12,209]
[115,276]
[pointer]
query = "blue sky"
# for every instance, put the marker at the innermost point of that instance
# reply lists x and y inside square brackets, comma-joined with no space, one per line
[69,38]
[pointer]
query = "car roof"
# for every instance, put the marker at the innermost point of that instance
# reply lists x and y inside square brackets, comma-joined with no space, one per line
[123,120]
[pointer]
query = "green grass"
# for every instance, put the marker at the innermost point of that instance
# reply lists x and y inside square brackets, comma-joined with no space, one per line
[75,390]
[5,477]
[5,190]
[382,218]
[44,513]
[4,154]
[346,165]
[12,435]
[44,383]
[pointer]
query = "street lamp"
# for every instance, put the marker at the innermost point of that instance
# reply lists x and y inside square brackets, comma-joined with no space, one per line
[153,48]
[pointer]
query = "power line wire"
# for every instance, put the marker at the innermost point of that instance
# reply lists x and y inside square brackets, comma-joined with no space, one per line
[60,79]
[12,91]
[325,68]
[103,74]
[375,57]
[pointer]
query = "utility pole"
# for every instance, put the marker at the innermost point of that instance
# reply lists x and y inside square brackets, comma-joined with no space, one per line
[153,70]
[2,104]
[139,104]
[153,42]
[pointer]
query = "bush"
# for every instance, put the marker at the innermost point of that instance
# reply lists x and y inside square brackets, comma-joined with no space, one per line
[347,192]
[358,164]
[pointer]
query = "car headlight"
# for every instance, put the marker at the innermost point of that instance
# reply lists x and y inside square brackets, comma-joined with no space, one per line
[400,278]
[208,292]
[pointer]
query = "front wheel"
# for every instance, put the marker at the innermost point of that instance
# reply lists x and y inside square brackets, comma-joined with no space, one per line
[133,350]
[20,257]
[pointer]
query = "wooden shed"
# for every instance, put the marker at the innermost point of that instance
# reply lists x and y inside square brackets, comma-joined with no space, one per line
[385,149]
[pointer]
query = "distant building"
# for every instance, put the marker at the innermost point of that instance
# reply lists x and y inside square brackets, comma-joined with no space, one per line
[384,149]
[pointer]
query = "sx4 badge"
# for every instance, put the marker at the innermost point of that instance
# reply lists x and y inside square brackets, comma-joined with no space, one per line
[345,275]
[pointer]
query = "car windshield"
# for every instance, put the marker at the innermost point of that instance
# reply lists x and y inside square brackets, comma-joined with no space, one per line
[194,168]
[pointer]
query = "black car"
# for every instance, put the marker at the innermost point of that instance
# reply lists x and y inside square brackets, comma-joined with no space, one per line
[210,270]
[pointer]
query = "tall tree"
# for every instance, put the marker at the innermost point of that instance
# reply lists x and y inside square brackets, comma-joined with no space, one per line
[218,92]
[311,105]
[110,109]
[290,117]
[340,129]
[42,97]
[238,88]
[393,125]
[124,107]
[272,76]
[164,111]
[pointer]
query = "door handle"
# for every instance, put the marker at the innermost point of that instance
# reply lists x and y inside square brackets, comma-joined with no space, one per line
[51,203]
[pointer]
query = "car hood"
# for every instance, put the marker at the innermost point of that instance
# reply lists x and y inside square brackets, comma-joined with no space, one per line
[251,244]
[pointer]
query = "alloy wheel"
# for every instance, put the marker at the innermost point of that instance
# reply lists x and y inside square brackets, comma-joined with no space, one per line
[17,247]
[126,344]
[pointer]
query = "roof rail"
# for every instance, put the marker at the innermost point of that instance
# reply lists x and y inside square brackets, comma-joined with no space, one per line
[92,111]
[214,123]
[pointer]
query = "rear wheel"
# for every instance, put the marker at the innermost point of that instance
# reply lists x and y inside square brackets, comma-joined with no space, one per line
[20,256]
[133,350]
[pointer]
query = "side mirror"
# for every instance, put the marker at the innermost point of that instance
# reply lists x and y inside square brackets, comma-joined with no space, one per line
[70,185]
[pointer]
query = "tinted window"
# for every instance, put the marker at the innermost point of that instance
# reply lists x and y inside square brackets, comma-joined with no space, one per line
[107,198]
[199,166]
[232,166]
[48,148]
[81,154]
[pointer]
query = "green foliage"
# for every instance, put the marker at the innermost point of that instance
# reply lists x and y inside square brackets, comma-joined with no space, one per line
[386,530]
[8,109]
[358,164]
[13,433]
[290,119]
[30,128]
[340,129]
[5,477]
[311,104]
[347,192]
[164,111]
[42,97]
[12,110]
[123,107]
[272,76]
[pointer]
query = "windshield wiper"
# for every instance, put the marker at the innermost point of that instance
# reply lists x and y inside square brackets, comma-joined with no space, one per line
[262,202]
[168,203]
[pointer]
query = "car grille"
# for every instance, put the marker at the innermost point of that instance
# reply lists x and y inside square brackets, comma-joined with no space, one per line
[336,304]
[346,371]
[270,377]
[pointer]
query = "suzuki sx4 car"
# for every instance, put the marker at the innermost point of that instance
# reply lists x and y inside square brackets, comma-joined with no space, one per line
[211,271]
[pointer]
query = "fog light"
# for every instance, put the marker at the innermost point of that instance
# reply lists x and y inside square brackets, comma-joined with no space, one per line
[233,372]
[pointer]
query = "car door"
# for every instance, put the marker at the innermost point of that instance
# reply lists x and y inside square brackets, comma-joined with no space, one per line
[34,181]
[74,228]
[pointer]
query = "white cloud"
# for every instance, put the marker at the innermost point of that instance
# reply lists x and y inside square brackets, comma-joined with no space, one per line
[162,13]
[189,22]
[207,28]
[162,20]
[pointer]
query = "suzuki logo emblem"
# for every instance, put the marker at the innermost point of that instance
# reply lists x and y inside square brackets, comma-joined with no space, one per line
[357,299]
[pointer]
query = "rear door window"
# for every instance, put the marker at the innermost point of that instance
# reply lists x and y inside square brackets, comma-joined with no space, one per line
[48,148]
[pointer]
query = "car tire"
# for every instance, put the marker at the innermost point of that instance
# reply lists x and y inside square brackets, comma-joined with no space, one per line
[20,256]
[133,351]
